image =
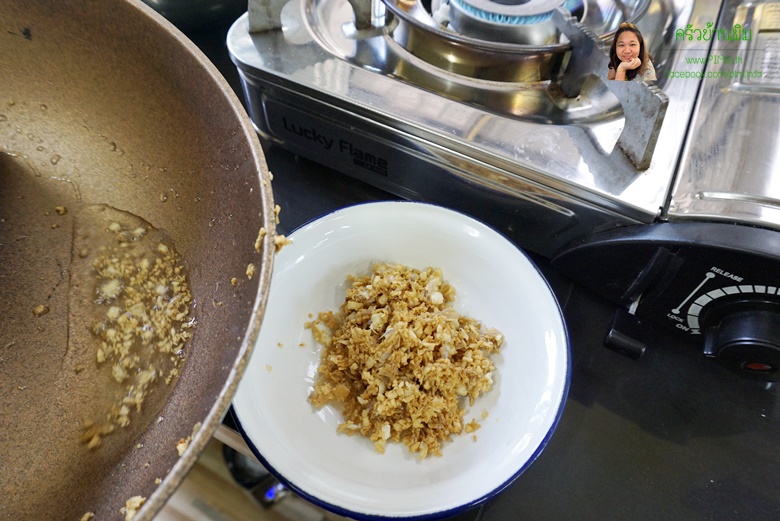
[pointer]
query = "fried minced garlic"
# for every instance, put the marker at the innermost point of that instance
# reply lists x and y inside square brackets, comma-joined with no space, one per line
[259,241]
[472,426]
[40,310]
[184,443]
[400,361]
[280,241]
[132,506]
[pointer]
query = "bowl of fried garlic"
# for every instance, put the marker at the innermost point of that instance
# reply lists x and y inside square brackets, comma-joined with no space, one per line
[413,363]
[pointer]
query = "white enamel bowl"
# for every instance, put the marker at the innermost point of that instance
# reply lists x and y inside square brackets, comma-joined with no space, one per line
[495,283]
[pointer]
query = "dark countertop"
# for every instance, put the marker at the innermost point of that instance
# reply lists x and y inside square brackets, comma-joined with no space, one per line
[669,436]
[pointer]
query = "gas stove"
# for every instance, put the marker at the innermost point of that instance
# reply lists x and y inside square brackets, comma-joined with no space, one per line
[661,196]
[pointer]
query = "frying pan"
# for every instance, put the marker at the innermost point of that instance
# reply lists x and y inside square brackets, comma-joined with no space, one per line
[105,105]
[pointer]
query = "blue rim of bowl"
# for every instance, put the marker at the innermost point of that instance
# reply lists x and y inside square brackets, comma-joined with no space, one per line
[441,514]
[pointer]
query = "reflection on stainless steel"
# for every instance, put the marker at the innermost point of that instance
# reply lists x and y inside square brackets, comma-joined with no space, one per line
[731,167]
[503,52]
[524,22]
[368,13]
[732,196]
[644,105]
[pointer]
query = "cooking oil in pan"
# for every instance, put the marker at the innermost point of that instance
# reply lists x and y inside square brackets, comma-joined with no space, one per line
[129,291]
[96,313]
[124,318]
[102,283]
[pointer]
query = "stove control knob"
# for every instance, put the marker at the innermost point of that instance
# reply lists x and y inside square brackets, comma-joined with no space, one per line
[747,342]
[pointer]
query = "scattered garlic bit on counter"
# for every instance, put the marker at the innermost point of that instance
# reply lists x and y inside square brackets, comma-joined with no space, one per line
[259,241]
[87,516]
[250,271]
[234,282]
[55,226]
[40,310]
[157,481]
[61,210]
[132,506]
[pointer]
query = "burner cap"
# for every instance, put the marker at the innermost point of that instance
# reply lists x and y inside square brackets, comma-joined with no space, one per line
[526,22]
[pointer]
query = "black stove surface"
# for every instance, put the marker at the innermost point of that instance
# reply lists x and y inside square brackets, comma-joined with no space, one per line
[669,436]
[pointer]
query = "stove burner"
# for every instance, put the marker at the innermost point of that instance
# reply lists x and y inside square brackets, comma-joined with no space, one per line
[506,42]
[510,12]
[512,21]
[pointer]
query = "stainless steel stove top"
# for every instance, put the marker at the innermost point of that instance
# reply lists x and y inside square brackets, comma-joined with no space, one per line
[500,132]
[395,94]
